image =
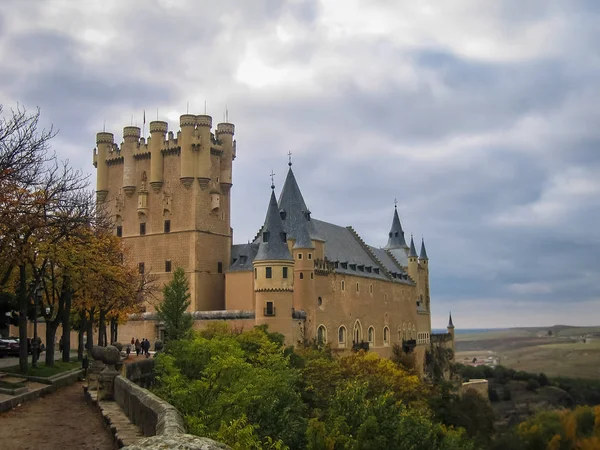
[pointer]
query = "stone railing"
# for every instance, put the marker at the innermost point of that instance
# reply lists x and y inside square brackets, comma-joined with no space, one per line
[151,414]
[155,418]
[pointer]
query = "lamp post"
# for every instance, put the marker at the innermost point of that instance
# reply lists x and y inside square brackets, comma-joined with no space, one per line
[37,295]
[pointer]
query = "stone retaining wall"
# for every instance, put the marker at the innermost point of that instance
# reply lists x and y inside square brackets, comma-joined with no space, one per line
[151,414]
[57,381]
[140,372]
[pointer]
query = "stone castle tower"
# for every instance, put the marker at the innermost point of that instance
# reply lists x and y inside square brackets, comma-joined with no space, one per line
[169,196]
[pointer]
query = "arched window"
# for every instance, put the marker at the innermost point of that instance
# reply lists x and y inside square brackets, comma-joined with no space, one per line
[371,335]
[342,336]
[386,336]
[301,276]
[322,335]
[357,335]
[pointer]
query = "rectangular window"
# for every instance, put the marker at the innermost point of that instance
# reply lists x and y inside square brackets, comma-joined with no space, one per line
[285,269]
[268,272]
[142,229]
[255,273]
[299,255]
[168,265]
[357,287]
[219,267]
[310,256]
[141,267]
[167,226]
[119,231]
[370,289]
[343,286]
[270,309]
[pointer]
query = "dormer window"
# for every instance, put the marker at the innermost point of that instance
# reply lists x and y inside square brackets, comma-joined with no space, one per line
[307,215]
[282,214]
[284,236]
[265,236]
[353,266]
[390,234]
[376,270]
[368,269]
[361,268]
[344,265]
[396,233]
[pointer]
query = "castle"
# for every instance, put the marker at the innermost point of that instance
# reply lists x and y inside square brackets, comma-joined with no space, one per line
[169,197]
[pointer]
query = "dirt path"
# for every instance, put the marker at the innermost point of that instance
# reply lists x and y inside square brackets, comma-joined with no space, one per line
[61,420]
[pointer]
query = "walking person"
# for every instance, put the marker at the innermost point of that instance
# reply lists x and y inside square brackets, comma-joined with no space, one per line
[138,347]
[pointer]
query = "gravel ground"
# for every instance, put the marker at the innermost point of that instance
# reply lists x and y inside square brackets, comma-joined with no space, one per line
[61,420]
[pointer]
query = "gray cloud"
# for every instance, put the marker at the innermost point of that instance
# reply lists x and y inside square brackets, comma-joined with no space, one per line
[481,120]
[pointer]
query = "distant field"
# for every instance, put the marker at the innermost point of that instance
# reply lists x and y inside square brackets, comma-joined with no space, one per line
[532,350]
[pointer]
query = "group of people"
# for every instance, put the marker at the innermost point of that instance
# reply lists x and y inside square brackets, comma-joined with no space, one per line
[142,347]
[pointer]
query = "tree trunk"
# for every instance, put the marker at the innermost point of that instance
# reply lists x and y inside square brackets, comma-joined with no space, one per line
[102,329]
[51,328]
[82,328]
[113,331]
[22,301]
[66,320]
[89,331]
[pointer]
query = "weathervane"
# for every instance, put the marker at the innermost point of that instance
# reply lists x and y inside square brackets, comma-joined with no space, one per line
[272,179]
[395,202]
[290,159]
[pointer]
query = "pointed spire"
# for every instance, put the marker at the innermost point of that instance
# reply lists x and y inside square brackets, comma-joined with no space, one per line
[273,241]
[423,254]
[396,235]
[450,324]
[295,214]
[413,250]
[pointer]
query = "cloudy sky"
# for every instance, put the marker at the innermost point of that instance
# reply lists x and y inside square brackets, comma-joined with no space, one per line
[482,118]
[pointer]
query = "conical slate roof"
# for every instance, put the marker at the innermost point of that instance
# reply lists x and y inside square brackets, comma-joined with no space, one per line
[413,250]
[295,215]
[423,254]
[273,242]
[450,324]
[396,236]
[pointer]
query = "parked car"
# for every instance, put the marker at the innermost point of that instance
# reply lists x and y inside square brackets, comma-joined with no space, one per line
[9,347]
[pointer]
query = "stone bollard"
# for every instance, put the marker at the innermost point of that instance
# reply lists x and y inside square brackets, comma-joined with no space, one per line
[96,368]
[106,378]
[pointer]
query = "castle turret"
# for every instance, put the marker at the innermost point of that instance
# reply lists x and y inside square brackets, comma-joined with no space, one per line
[396,244]
[131,137]
[187,122]
[450,329]
[158,131]
[203,160]
[104,143]
[424,262]
[225,132]
[413,263]
[273,275]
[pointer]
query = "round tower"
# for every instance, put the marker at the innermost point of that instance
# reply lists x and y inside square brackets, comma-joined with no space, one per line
[225,132]
[273,276]
[131,137]
[187,122]
[413,263]
[104,142]
[158,131]
[203,161]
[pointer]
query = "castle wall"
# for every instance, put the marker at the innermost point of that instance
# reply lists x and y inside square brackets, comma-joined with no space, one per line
[239,291]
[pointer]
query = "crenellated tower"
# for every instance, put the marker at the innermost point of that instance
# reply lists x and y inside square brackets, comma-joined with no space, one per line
[148,187]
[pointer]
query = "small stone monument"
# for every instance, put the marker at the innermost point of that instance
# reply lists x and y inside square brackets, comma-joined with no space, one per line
[96,367]
[111,356]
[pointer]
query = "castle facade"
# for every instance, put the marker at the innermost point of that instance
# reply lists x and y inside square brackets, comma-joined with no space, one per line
[169,197]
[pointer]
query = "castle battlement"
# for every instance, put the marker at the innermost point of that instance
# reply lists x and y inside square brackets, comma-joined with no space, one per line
[205,155]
